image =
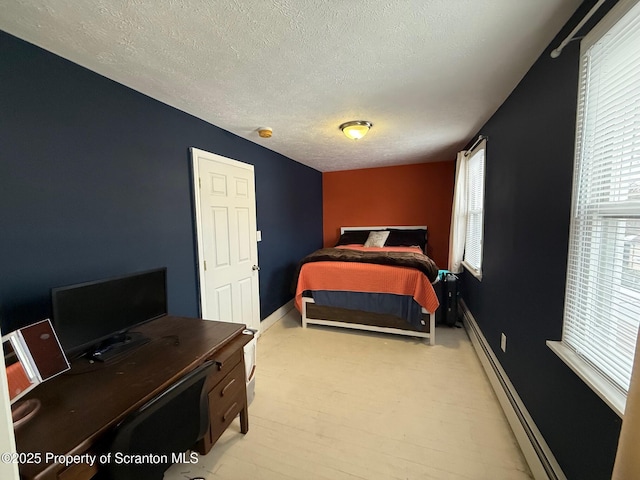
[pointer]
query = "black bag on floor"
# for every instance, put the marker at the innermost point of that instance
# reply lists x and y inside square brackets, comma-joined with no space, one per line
[447,291]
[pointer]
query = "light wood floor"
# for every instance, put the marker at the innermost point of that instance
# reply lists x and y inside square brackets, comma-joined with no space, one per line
[335,404]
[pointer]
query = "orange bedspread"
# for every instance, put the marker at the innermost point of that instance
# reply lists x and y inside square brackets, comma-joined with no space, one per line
[17,380]
[366,277]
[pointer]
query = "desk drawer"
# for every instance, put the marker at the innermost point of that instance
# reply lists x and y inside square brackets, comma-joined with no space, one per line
[224,415]
[227,392]
[227,388]
[225,365]
[226,401]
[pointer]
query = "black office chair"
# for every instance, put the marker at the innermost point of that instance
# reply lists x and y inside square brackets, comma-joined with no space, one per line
[170,423]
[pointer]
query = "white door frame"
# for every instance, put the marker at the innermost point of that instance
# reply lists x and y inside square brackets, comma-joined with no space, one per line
[195,154]
[8,470]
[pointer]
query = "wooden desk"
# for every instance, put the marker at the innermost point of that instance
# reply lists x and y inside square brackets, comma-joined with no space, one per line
[81,405]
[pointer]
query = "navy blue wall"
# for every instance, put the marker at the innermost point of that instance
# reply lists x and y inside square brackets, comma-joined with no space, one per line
[528,201]
[95,182]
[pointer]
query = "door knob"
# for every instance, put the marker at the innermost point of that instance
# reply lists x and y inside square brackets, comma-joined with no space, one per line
[255,267]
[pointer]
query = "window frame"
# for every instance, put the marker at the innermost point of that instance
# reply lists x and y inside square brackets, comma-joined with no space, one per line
[611,212]
[476,271]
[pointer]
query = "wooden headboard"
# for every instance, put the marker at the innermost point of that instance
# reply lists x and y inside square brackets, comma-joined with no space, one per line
[399,227]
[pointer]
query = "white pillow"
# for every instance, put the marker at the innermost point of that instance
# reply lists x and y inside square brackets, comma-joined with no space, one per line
[377,238]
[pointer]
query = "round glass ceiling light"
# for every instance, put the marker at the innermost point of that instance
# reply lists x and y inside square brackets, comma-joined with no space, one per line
[356,130]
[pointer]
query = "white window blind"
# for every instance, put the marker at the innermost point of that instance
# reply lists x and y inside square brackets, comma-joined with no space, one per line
[602,307]
[475,209]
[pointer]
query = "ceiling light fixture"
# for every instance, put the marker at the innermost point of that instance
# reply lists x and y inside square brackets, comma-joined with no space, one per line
[356,129]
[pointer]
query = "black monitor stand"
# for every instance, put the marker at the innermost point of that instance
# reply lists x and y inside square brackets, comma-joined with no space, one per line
[116,345]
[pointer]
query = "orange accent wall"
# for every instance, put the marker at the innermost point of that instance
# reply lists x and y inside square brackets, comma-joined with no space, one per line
[419,194]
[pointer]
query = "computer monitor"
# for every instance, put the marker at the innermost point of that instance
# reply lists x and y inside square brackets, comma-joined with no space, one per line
[91,316]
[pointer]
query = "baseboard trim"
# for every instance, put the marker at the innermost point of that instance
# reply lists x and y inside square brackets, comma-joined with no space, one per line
[541,461]
[276,316]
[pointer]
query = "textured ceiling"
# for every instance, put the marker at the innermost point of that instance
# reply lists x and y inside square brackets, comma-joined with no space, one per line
[427,73]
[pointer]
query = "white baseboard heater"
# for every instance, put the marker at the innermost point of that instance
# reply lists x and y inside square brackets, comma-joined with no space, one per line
[541,461]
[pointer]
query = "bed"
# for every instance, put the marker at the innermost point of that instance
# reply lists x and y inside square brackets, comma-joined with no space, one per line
[376,279]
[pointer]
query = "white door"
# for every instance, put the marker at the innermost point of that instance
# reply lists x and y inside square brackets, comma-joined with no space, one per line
[225,202]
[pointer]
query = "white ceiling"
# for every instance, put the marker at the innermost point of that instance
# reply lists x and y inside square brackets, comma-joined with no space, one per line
[427,73]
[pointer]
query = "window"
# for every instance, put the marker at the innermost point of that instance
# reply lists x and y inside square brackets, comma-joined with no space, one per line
[475,209]
[602,305]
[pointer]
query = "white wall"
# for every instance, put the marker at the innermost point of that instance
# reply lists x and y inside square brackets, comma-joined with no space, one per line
[8,471]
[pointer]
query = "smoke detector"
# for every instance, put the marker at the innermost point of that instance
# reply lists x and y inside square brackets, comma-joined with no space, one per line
[265,132]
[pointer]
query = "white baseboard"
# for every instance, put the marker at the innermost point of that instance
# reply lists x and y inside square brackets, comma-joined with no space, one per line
[541,461]
[272,319]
